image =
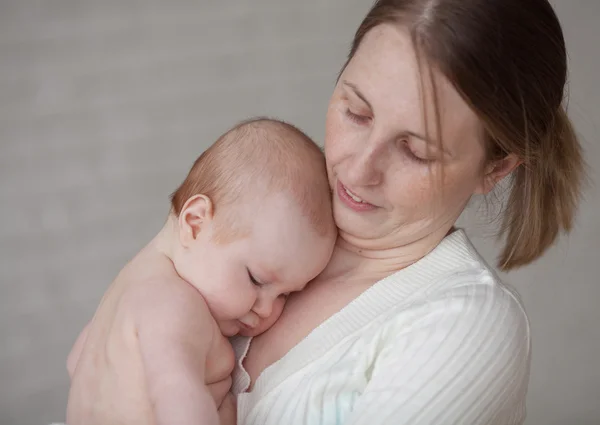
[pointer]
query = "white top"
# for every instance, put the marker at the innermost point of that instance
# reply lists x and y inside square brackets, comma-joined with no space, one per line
[440,342]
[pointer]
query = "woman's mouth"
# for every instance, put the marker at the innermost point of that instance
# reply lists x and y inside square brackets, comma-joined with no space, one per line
[352,200]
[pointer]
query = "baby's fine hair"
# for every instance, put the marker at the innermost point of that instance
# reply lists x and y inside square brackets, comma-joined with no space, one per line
[258,157]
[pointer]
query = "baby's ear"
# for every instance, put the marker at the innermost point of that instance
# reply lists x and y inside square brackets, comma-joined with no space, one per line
[195,215]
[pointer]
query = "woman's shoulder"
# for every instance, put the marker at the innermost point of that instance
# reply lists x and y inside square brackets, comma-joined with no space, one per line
[455,264]
[465,274]
[466,319]
[461,339]
[463,294]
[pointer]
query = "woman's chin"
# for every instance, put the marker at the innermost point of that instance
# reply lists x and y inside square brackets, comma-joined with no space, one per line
[354,225]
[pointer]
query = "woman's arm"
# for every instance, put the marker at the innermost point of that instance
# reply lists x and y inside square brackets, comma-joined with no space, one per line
[464,361]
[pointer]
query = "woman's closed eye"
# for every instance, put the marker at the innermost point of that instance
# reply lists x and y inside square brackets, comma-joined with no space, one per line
[404,145]
[414,157]
[405,148]
[364,120]
[357,118]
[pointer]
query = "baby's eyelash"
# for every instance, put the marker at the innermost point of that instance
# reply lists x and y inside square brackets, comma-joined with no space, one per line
[253,279]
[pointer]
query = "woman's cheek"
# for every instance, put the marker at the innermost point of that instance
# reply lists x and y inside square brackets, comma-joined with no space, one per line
[333,124]
[338,143]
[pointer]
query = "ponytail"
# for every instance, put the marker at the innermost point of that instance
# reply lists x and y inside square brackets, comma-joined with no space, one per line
[544,196]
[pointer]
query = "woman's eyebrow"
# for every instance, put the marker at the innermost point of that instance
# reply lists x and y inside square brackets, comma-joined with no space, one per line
[357,92]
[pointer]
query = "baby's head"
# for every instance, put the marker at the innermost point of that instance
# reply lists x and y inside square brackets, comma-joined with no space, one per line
[254,223]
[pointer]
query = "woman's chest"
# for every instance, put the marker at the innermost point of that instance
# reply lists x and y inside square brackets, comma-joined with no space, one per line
[312,385]
[304,312]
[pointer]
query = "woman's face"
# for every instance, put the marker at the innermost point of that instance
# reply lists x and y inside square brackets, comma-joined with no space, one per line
[392,183]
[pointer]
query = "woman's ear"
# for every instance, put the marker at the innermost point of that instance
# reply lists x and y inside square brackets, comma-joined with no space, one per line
[495,171]
[195,215]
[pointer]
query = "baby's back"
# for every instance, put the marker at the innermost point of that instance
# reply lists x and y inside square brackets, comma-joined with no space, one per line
[108,383]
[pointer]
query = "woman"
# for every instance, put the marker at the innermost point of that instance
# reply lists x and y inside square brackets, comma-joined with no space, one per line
[438,101]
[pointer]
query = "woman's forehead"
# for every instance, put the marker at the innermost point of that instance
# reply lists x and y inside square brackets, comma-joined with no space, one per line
[385,62]
[386,71]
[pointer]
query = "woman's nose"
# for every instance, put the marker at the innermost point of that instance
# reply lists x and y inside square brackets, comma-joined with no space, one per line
[365,169]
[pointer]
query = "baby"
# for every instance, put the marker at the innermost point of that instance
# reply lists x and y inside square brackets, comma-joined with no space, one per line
[251,223]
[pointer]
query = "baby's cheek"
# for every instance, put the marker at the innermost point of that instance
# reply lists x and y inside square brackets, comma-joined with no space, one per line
[278,305]
[234,302]
[242,300]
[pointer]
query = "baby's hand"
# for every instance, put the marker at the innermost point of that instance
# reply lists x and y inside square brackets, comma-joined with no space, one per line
[227,410]
[219,366]
[219,390]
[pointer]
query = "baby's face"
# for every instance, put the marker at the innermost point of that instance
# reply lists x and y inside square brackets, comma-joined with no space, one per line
[245,283]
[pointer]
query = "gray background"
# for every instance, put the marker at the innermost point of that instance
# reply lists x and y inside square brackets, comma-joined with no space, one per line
[103,107]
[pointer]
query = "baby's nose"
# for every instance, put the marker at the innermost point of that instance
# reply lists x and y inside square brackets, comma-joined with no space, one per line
[263,307]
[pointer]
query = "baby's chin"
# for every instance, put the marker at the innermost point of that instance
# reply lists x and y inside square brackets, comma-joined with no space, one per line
[233,328]
[250,332]
[229,329]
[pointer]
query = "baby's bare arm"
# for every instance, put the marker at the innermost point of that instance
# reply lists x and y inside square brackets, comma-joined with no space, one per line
[75,353]
[175,334]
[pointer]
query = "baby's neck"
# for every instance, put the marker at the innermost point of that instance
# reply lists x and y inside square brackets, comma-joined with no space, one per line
[167,240]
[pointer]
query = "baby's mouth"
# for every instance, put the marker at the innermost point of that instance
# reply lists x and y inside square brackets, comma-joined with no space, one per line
[248,323]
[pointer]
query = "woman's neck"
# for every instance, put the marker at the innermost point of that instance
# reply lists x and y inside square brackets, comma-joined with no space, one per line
[352,258]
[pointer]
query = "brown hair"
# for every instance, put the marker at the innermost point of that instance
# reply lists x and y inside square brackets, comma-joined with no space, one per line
[256,158]
[507,59]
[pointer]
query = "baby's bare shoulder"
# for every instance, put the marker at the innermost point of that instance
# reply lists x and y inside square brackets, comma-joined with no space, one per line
[166,303]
